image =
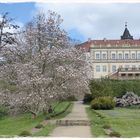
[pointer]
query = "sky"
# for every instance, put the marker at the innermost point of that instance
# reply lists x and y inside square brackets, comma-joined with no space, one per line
[83,20]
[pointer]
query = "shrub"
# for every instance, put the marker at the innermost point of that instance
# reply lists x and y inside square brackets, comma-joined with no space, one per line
[71,98]
[115,134]
[3,111]
[87,98]
[100,88]
[39,126]
[106,126]
[48,117]
[103,103]
[25,133]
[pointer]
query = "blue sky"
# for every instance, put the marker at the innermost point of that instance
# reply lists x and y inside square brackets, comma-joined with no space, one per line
[23,12]
[84,20]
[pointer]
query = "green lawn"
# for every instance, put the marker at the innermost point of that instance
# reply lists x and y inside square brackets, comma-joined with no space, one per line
[123,120]
[63,107]
[67,106]
[12,126]
[45,131]
[97,123]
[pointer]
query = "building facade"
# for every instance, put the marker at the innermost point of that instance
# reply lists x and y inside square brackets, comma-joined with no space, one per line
[116,59]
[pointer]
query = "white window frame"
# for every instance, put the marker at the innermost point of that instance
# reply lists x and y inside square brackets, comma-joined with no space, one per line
[98,55]
[104,68]
[134,67]
[114,68]
[126,54]
[98,69]
[138,55]
[114,56]
[133,56]
[103,56]
[126,66]
[120,54]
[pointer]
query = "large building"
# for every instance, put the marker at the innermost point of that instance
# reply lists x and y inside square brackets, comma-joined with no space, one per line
[116,59]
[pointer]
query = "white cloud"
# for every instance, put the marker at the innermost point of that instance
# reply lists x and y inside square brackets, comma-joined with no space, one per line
[97,20]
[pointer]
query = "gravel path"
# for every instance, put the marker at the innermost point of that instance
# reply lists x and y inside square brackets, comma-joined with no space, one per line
[78,113]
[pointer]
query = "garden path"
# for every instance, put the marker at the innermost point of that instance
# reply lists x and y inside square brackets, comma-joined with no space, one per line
[78,113]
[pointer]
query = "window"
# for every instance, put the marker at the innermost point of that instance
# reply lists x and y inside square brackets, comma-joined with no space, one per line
[104,56]
[97,56]
[133,56]
[130,74]
[126,67]
[133,67]
[104,68]
[113,68]
[123,75]
[120,66]
[126,56]
[120,56]
[97,68]
[138,56]
[113,56]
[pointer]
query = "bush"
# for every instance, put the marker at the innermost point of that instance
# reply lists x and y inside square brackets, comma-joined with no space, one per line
[39,126]
[48,117]
[71,98]
[25,133]
[3,112]
[106,126]
[115,134]
[87,98]
[100,88]
[103,103]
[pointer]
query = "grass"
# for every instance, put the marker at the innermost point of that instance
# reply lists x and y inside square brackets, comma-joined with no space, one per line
[67,106]
[64,109]
[15,125]
[12,126]
[61,106]
[97,123]
[124,121]
[45,131]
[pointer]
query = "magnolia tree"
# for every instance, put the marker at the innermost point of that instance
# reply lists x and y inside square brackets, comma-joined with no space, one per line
[44,66]
[7,31]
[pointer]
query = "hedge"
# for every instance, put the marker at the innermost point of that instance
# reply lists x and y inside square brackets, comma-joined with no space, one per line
[113,88]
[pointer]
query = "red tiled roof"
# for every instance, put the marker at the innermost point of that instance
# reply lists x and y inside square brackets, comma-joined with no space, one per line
[86,45]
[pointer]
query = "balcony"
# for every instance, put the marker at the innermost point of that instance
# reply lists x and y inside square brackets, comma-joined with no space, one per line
[115,60]
[129,70]
[126,74]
